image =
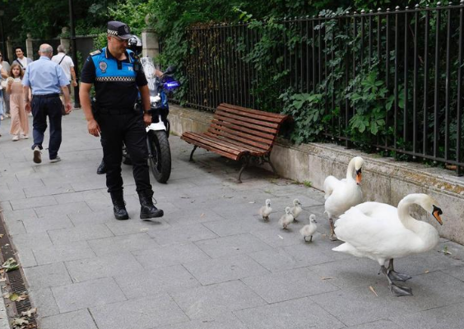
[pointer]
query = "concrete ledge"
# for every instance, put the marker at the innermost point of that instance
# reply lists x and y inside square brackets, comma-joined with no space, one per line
[384,179]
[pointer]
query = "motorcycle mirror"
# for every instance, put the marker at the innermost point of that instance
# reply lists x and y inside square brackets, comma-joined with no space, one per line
[170,70]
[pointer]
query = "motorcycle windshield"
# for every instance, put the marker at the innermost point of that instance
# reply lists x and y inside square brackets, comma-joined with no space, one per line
[149,69]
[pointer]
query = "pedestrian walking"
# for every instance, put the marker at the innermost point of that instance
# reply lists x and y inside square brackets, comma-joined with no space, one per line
[22,60]
[19,120]
[67,65]
[46,78]
[6,97]
[117,85]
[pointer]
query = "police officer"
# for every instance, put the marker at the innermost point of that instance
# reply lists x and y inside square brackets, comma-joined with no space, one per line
[117,85]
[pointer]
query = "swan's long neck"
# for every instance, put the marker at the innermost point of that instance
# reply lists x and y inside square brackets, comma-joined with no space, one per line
[349,171]
[403,213]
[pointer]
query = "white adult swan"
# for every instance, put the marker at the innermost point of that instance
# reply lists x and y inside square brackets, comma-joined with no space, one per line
[382,233]
[341,195]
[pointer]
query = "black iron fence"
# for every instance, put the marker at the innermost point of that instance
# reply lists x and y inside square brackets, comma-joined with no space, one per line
[388,81]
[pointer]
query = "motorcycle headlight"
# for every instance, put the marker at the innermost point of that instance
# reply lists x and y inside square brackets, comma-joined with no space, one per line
[155,99]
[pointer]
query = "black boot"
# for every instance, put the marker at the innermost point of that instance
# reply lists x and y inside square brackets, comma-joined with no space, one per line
[101,168]
[119,206]
[148,209]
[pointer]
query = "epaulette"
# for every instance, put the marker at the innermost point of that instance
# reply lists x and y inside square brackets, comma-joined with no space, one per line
[96,52]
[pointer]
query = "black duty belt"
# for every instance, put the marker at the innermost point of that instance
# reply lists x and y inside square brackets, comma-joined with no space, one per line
[46,96]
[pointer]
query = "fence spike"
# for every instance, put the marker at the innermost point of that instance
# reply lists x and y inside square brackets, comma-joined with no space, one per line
[388,9]
[397,8]
[438,4]
[380,9]
[363,12]
[407,8]
[417,6]
[371,11]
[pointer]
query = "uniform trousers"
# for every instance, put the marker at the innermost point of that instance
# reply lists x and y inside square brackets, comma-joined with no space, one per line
[127,127]
[43,106]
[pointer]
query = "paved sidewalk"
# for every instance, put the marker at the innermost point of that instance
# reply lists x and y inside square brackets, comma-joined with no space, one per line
[210,262]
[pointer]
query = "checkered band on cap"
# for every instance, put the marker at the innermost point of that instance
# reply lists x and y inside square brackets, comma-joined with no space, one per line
[113,32]
[115,79]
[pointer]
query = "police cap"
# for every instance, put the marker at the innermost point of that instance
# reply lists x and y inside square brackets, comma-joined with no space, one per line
[119,29]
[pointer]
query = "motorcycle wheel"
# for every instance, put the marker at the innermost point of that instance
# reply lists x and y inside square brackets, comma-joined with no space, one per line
[160,155]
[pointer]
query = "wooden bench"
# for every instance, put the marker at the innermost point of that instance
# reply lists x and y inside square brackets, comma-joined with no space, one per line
[240,134]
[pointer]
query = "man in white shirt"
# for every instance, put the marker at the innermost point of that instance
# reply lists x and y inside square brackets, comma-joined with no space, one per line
[67,64]
[22,60]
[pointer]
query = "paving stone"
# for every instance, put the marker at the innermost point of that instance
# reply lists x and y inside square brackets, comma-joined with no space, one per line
[103,266]
[381,324]
[44,276]
[288,285]
[169,255]
[307,254]
[101,217]
[136,225]
[277,237]
[433,290]
[118,244]
[274,259]
[212,301]
[63,209]
[79,233]
[16,227]
[26,258]
[15,215]
[61,188]
[225,269]
[211,324]
[360,305]
[73,320]
[350,273]
[63,253]
[44,224]
[299,313]
[83,196]
[191,216]
[5,205]
[31,240]
[83,295]
[152,282]
[45,302]
[449,317]
[239,226]
[231,245]
[13,194]
[143,313]
[186,233]
[29,203]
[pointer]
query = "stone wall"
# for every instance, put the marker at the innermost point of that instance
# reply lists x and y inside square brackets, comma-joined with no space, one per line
[384,179]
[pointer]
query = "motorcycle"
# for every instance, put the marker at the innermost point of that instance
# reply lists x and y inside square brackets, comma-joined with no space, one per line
[159,151]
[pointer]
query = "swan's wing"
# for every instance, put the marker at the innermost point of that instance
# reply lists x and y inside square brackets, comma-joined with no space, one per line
[369,230]
[330,184]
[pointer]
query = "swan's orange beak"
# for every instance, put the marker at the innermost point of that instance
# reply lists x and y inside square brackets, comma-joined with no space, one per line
[358,176]
[436,213]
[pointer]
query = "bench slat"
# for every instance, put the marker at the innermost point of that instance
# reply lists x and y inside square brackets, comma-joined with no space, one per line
[220,129]
[281,117]
[258,123]
[258,115]
[238,121]
[215,146]
[245,141]
[253,150]
[243,129]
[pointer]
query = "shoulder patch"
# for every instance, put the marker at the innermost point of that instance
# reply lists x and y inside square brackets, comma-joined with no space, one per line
[96,52]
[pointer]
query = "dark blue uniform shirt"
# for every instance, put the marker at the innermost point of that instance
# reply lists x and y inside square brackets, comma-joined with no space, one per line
[115,81]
